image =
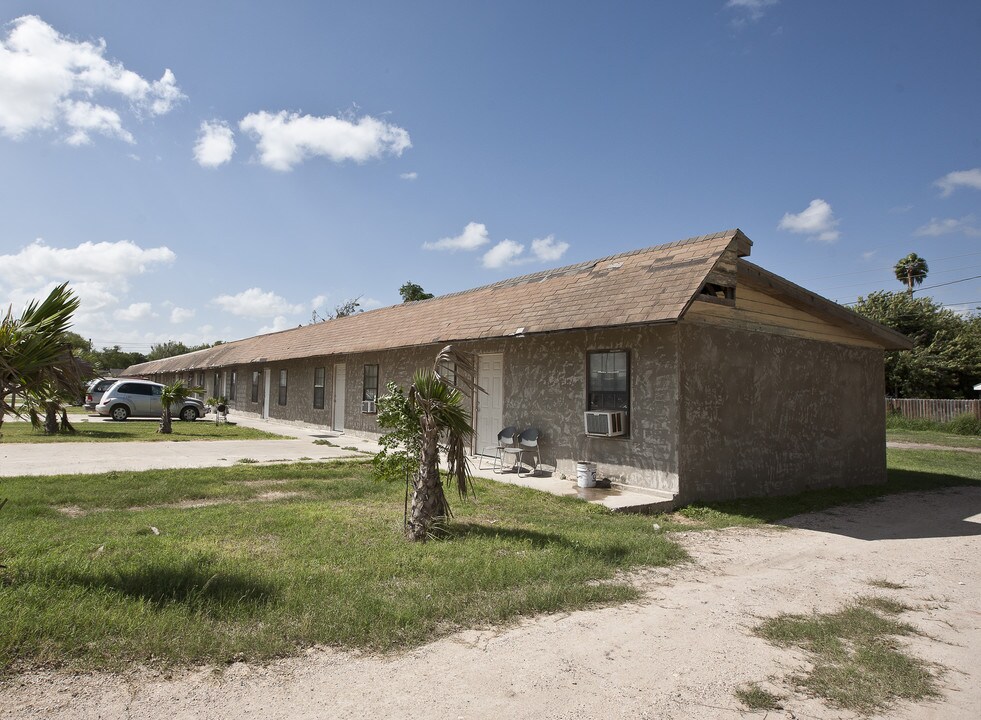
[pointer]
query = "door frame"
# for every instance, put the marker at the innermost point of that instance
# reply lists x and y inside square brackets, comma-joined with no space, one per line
[478,443]
[335,397]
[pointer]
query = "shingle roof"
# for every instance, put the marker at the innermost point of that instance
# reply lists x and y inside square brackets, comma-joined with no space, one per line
[651,285]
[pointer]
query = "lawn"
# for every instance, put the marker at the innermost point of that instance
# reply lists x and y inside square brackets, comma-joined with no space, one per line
[172,567]
[130,430]
[933,437]
[287,557]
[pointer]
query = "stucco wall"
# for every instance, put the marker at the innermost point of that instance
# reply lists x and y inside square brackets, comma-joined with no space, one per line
[545,387]
[765,414]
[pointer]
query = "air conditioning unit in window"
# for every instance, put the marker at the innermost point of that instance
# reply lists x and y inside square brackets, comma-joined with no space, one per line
[605,422]
[368,406]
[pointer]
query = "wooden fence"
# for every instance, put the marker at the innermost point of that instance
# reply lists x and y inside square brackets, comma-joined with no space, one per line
[936,410]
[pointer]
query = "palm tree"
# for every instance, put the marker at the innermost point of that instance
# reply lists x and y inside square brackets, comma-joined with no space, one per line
[911,270]
[37,367]
[444,424]
[174,394]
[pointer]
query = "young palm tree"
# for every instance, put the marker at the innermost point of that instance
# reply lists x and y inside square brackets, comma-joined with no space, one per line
[174,394]
[911,270]
[37,367]
[444,424]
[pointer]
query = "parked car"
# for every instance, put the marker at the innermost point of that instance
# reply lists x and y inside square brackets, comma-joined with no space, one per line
[141,398]
[94,391]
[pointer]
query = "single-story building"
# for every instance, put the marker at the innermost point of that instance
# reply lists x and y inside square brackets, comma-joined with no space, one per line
[696,372]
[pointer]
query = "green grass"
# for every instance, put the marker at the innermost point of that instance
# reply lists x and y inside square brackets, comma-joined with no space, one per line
[965,424]
[290,557]
[909,471]
[131,430]
[755,697]
[857,663]
[933,437]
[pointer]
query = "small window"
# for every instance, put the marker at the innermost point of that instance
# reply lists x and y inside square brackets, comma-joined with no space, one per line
[216,386]
[609,381]
[318,388]
[232,382]
[282,387]
[370,391]
[255,385]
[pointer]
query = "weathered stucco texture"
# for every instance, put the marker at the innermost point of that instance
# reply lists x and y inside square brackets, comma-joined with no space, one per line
[545,387]
[765,414]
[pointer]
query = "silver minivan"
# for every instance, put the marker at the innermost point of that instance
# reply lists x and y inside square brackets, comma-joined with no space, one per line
[141,398]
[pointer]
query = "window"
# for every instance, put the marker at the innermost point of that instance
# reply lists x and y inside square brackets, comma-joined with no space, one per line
[282,387]
[136,389]
[608,386]
[370,391]
[318,388]
[216,387]
[232,382]
[256,375]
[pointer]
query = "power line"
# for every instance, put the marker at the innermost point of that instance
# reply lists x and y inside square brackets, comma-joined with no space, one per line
[952,282]
[891,267]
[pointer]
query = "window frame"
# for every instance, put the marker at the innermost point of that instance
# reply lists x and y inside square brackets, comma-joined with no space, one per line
[283,383]
[232,382]
[319,391]
[254,390]
[606,407]
[364,383]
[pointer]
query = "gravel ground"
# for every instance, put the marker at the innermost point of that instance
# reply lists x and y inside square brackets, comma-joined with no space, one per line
[679,653]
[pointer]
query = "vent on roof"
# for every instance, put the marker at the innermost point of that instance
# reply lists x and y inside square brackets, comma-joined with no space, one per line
[718,292]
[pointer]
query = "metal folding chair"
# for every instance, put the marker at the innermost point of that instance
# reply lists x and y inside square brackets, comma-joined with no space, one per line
[527,445]
[505,441]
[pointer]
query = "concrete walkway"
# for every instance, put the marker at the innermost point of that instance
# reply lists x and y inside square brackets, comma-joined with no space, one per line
[299,445]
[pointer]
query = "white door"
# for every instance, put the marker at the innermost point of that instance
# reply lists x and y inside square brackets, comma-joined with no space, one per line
[490,405]
[339,395]
[267,382]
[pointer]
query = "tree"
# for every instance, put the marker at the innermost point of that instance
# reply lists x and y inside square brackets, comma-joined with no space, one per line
[348,307]
[945,360]
[172,348]
[174,394]
[110,358]
[411,292]
[911,270]
[37,366]
[436,419]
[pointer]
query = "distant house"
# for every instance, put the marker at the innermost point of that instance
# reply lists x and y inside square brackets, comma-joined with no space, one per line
[723,380]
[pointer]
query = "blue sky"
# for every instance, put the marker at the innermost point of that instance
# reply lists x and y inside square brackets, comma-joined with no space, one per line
[454,144]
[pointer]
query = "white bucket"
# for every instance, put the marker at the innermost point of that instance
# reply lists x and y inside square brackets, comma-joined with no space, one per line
[586,474]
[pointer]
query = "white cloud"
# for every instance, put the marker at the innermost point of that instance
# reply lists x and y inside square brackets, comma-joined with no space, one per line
[254,303]
[504,253]
[966,225]
[817,220]
[869,254]
[179,315]
[753,8]
[547,249]
[279,323]
[318,302]
[474,235]
[960,178]
[215,145]
[287,139]
[135,311]
[49,82]
[100,262]
[409,176]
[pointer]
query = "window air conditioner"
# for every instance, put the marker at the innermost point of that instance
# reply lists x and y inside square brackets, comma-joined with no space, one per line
[368,406]
[606,423]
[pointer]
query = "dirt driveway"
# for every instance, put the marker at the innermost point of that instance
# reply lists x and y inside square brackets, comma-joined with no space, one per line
[678,654]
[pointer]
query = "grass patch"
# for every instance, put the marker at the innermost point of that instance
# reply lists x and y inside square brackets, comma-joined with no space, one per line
[886,584]
[323,441]
[90,584]
[246,461]
[883,605]
[909,471]
[965,424]
[933,437]
[857,664]
[755,697]
[134,430]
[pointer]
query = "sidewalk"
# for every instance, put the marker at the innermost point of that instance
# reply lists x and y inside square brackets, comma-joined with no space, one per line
[84,458]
